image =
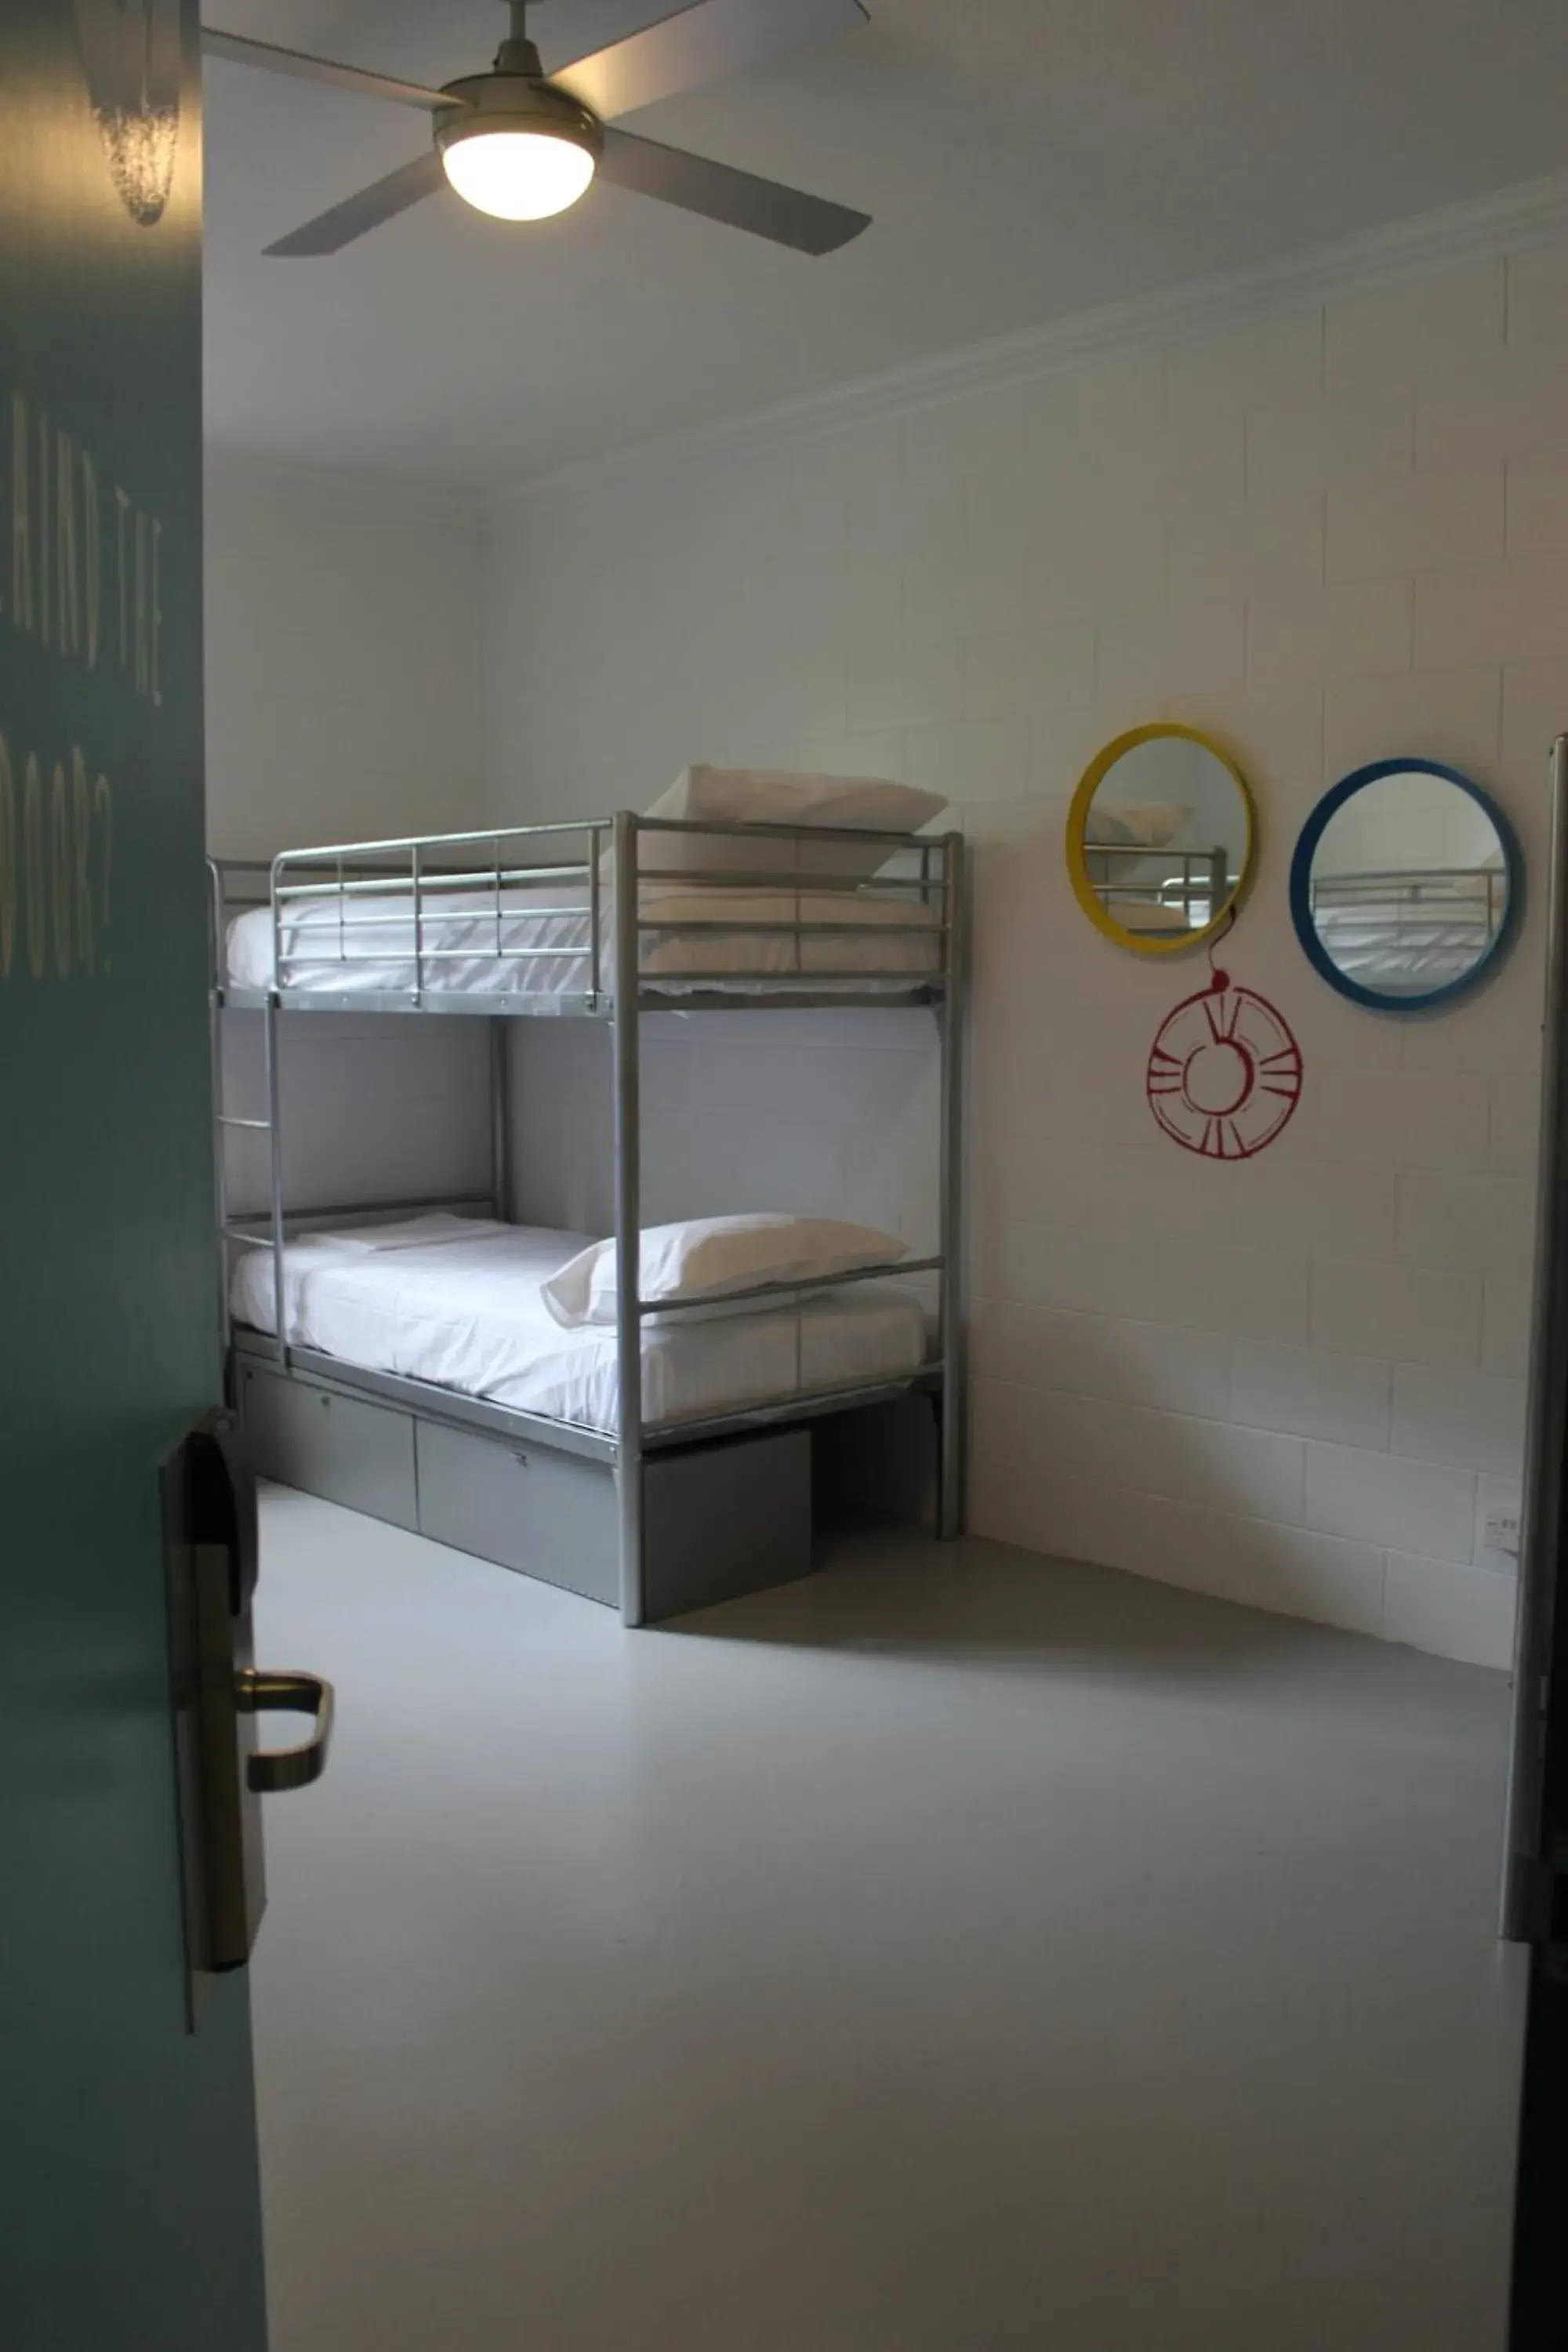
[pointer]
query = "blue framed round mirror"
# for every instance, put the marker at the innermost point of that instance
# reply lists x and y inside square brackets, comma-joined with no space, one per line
[1406,885]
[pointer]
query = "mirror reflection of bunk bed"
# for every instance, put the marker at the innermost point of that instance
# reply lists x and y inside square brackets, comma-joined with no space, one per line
[667,1458]
[1410,929]
[1160,890]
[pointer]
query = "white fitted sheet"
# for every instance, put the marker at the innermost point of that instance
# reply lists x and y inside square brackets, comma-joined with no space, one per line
[455,1301]
[366,946]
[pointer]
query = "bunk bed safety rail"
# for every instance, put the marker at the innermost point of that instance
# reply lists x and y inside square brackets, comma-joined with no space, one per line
[925,892]
[1478,892]
[475,870]
[432,886]
[1201,879]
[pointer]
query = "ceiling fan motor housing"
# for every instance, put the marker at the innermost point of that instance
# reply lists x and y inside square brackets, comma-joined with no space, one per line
[505,101]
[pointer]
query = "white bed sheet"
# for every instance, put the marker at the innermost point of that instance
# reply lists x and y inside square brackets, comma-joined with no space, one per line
[457,1302]
[323,956]
[1401,950]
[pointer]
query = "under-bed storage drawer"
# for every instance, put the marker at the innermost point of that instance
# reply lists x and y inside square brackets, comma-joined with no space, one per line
[726,1519]
[548,1515]
[359,1454]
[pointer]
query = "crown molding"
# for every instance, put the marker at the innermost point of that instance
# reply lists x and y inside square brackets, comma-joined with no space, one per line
[346,489]
[1510,221]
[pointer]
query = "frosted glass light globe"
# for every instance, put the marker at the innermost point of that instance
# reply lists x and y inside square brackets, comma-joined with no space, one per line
[517,174]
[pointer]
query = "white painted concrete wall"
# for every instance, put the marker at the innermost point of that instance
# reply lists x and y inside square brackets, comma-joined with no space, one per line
[343,659]
[1334,533]
[343,684]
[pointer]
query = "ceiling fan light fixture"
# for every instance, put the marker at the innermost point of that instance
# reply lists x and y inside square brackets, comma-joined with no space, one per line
[519,175]
[515,148]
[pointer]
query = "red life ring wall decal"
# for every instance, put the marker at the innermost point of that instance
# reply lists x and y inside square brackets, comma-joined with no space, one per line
[1225,1072]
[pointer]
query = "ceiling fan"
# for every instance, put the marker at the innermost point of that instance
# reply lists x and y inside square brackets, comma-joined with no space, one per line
[522,145]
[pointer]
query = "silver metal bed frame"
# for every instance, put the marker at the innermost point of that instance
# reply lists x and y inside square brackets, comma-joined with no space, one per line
[478,870]
[1202,877]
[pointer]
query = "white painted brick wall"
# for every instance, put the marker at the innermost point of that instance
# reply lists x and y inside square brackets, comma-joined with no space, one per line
[1330,534]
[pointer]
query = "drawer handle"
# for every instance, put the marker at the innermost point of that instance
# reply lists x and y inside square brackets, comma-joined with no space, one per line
[521,1460]
[271,1771]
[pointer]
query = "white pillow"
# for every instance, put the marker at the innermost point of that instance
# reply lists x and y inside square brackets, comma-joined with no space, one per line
[773,797]
[708,1256]
[1127,825]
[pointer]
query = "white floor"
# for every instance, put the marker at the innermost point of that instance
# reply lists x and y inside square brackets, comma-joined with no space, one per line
[957,1953]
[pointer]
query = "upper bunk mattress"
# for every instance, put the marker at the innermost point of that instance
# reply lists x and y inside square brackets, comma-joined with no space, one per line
[541,943]
[455,1301]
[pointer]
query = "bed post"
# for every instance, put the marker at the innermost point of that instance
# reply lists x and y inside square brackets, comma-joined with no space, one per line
[628,1216]
[500,1120]
[950,1017]
[275,1168]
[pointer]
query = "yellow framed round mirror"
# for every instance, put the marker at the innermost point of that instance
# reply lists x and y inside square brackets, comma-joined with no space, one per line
[1160,838]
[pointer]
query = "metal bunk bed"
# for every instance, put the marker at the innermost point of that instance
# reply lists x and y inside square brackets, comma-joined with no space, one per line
[656,1515]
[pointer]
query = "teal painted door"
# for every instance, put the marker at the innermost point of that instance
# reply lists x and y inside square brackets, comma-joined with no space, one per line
[131,2210]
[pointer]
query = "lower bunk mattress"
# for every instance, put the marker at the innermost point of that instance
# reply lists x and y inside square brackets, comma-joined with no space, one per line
[455,1301]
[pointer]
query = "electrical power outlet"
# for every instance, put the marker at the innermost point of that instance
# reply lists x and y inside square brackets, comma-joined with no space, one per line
[1500,1532]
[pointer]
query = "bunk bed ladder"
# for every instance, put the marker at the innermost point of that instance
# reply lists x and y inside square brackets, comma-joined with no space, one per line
[224,1124]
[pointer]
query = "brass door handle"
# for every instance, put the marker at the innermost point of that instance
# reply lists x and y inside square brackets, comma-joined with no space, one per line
[271,1771]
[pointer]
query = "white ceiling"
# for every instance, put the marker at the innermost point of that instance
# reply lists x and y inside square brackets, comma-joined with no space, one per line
[1025,160]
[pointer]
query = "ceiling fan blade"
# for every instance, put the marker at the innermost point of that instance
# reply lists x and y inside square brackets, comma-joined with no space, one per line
[240,51]
[382,201]
[698,43]
[739,199]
